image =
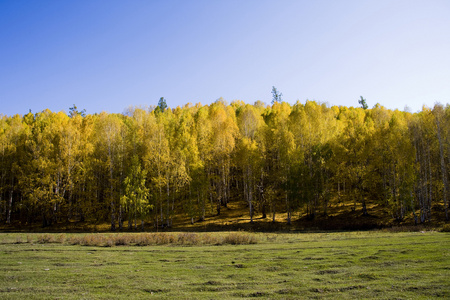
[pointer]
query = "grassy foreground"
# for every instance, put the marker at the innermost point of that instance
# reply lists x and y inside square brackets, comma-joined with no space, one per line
[349,265]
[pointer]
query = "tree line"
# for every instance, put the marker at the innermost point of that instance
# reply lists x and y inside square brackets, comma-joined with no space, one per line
[148,165]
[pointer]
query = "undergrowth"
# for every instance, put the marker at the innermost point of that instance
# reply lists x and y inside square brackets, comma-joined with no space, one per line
[148,239]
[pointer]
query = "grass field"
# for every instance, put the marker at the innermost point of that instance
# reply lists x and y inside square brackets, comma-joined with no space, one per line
[347,265]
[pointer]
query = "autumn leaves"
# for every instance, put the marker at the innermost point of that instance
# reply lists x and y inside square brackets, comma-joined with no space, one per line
[151,166]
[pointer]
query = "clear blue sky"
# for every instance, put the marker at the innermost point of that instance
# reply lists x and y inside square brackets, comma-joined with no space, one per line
[105,55]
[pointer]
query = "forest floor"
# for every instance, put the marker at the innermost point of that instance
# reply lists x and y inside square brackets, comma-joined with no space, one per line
[339,217]
[327,265]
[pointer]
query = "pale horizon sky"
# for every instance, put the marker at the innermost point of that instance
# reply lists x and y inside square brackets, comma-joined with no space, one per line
[107,55]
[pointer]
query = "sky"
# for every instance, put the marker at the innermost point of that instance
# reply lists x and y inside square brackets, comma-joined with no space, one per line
[108,55]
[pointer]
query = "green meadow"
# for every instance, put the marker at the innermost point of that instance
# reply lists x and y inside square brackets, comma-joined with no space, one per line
[344,265]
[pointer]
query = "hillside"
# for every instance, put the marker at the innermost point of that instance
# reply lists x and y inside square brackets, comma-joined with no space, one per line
[234,217]
[340,217]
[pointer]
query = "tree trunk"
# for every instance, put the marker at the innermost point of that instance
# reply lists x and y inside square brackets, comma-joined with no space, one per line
[262,196]
[160,204]
[443,168]
[288,207]
[130,220]
[424,192]
[113,204]
[431,183]
[168,201]
[8,217]
[364,208]
[135,217]
[120,218]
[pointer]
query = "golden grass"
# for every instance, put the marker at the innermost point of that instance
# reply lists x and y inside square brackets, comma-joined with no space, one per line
[150,239]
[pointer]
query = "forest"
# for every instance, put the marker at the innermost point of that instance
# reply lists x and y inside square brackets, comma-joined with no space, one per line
[146,165]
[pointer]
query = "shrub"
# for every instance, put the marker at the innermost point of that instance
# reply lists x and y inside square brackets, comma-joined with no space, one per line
[188,238]
[46,238]
[123,240]
[61,238]
[164,238]
[147,239]
[209,239]
[88,240]
[237,238]
[445,228]
[110,243]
